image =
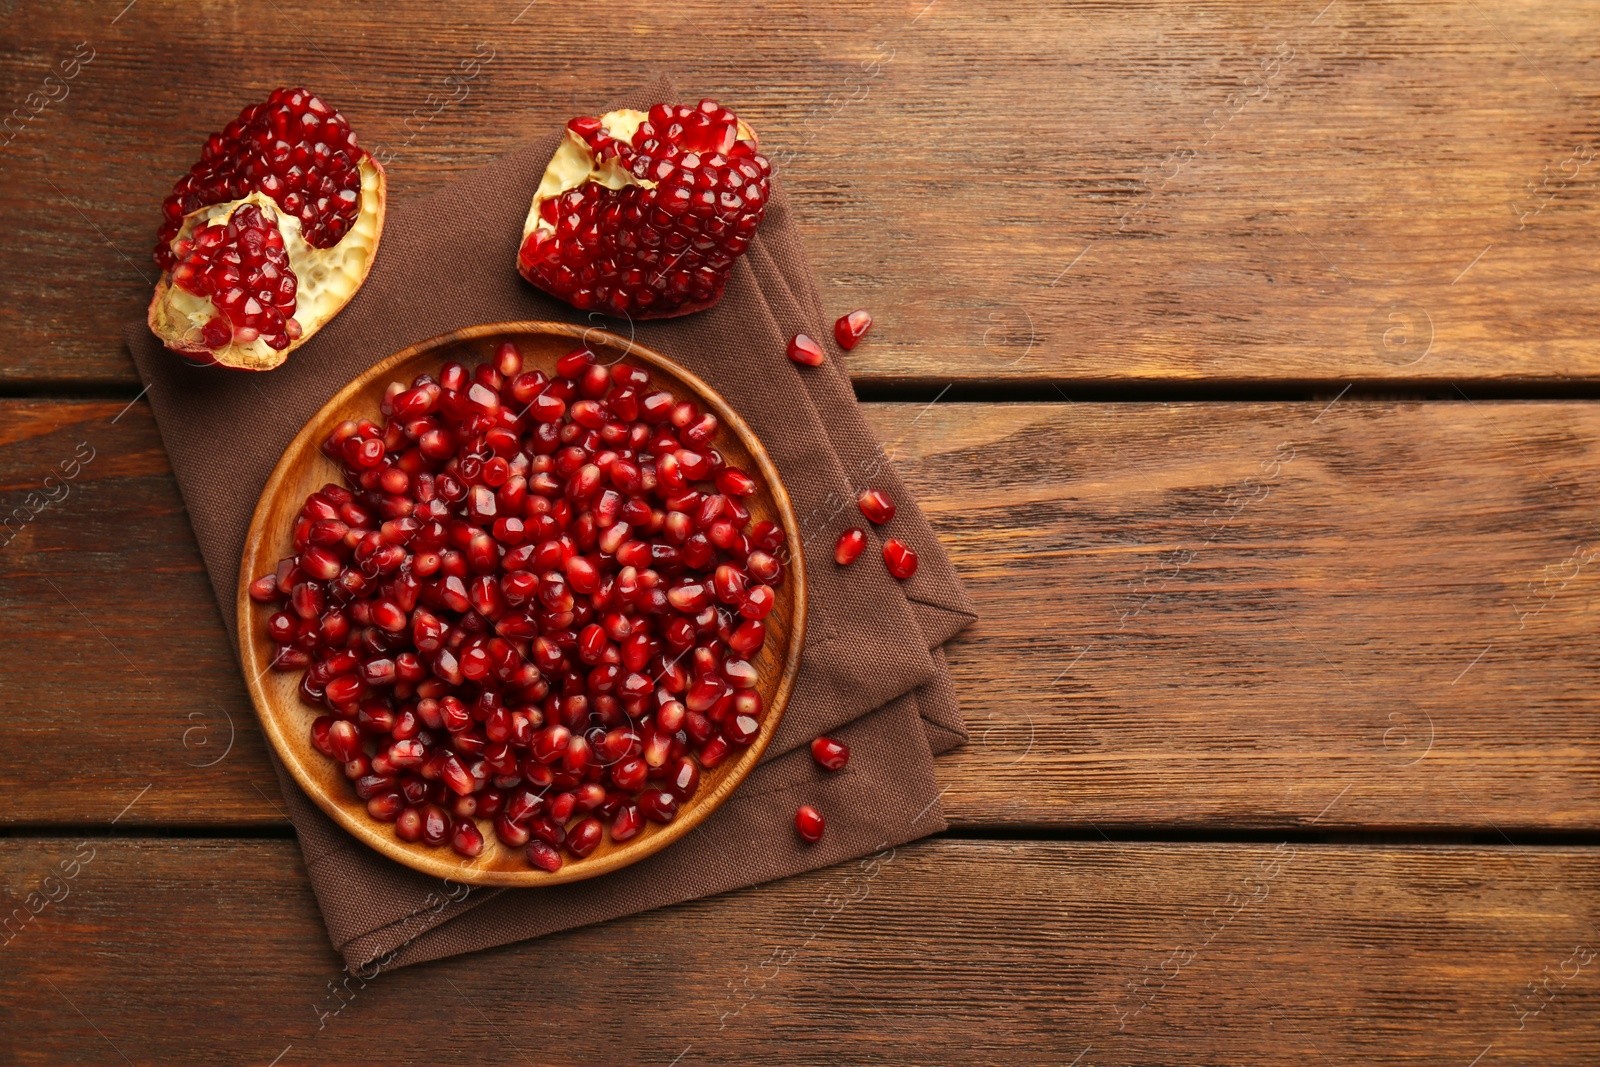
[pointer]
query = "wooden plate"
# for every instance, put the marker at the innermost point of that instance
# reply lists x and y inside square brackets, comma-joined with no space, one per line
[304,469]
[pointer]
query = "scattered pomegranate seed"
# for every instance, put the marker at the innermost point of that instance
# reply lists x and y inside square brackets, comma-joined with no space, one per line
[653,250]
[901,560]
[295,149]
[808,822]
[804,350]
[851,328]
[875,505]
[851,542]
[574,673]
[830,753]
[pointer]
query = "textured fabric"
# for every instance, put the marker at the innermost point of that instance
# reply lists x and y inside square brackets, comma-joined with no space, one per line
[872,673]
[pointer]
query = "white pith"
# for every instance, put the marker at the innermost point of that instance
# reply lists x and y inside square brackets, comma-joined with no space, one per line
[573,165]
[326,278]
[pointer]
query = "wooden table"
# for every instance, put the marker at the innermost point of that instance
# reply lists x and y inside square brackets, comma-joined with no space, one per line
[1244,357]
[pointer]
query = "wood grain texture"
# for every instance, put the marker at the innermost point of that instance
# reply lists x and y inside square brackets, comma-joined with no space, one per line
[1018,189]
[942,952]
[1369,615]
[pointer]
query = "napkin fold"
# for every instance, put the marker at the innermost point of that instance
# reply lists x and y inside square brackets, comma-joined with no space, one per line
[873,674]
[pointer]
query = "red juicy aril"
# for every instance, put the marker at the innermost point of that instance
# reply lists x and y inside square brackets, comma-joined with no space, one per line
[291,165]
[643,214]
[534,609]
[851,328]
[849,547]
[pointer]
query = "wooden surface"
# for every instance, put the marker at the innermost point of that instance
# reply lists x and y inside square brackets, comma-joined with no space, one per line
[1124,953]
[1283,727]
[1257,192]
[1161,641]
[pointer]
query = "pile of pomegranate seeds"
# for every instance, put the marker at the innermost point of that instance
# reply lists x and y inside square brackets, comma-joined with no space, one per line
[851,328]
[295,149]
[537,604]
[657,249]
[240,266]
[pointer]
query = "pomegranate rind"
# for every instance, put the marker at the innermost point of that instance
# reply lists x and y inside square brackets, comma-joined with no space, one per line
[573,165]
[328,278]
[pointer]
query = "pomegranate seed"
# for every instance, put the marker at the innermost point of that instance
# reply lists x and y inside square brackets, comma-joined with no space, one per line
[901,560]
[408,825]
[585,837]
[658,805]
[510,832]
[849,329]
[435,825]
[544,856]
[808,823]
[466,839]
[830,753]
[386,807]
[876,505]
[851,542]
[343,741]
[626,823]
[741,729]
[683,778]
[804,350]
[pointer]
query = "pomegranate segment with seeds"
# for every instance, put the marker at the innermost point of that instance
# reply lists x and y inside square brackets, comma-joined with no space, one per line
[292,169]
[534,610]
[644,213]
[851,328]
[240,266]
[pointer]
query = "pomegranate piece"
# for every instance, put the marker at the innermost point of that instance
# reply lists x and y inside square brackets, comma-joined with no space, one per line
[549,683]
[830,753]
[240,266]
[644,214]
[268,236]
[875,505]
[808,823]
[805,351]
[900,559]
[848,550]
[851,328]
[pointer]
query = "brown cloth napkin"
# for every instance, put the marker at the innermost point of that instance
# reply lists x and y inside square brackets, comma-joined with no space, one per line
[872,675]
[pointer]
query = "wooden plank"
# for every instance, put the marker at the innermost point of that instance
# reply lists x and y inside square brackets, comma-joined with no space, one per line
[943,952]
[1203,615]
[1019,191]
